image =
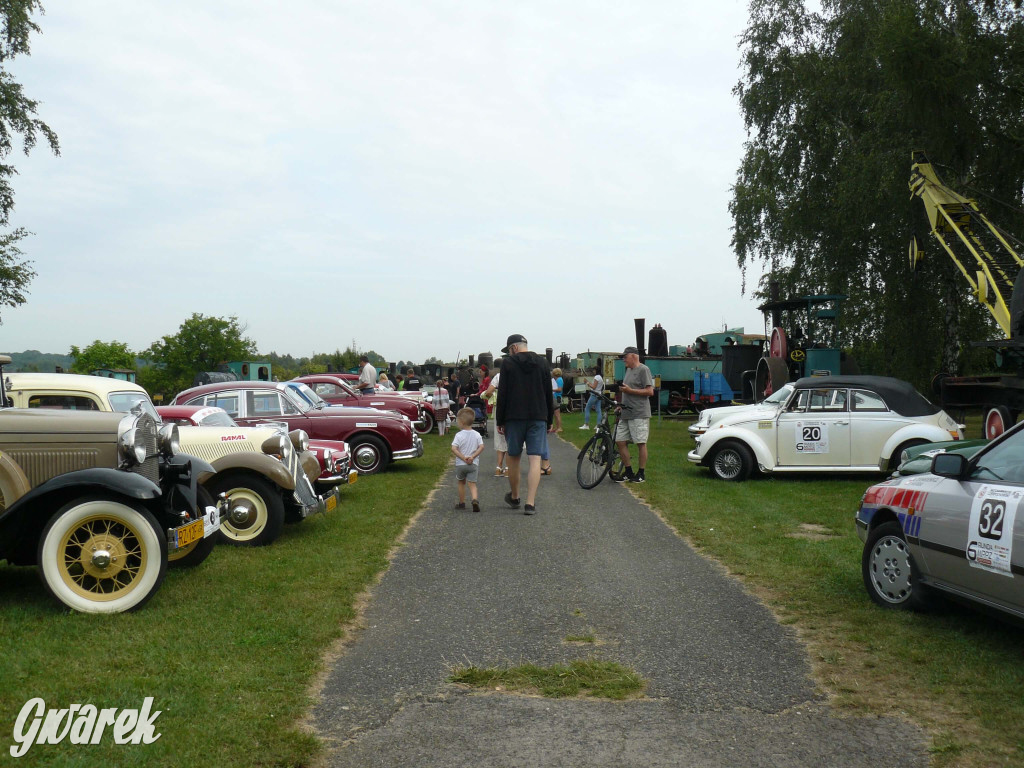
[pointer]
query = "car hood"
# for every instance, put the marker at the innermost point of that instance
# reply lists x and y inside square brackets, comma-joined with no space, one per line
[28,421]
[739,414]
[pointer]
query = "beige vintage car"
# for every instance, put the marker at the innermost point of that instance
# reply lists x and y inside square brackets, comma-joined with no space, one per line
[268,476]
[99,502]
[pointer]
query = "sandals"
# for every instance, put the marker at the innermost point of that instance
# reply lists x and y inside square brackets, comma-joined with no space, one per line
[545,470]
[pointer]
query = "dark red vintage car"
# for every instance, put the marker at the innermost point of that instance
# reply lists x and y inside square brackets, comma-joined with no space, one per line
[333,455]
[336,389]
[375,438]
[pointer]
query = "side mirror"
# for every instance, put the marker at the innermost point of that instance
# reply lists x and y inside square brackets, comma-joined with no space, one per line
[951,465]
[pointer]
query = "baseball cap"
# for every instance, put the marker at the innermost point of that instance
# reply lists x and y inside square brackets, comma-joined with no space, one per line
[515,338]
[630,351]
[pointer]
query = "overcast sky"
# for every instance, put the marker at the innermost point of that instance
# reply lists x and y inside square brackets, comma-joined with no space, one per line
[421,178]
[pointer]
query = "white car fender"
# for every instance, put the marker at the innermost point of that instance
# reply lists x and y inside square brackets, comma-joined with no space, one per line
[763,453]
[929,433]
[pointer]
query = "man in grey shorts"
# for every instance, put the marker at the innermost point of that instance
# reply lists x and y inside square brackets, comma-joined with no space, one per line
[635,423]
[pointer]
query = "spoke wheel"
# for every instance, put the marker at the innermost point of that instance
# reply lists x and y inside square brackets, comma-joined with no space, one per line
[255,511]
[594,461]
[102,556]
[676,403]
[731,461]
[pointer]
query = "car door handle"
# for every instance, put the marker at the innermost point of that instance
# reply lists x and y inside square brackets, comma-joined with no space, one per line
[842,423]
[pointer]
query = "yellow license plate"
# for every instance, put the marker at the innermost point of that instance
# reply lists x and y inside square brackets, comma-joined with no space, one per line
[332,502]
[188,533]
[352,477]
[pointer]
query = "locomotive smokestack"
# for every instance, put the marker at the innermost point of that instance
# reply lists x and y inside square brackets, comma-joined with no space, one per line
[640,322]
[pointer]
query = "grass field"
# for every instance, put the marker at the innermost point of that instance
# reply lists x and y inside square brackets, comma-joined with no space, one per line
[230,650]
[792,541]
[227,650]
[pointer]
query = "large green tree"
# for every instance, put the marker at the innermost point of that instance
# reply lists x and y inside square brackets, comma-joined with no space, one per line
[834,102]
[200,344]
[17,121]
[102,354]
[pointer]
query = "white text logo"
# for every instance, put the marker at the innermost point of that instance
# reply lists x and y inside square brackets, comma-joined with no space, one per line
[81,725]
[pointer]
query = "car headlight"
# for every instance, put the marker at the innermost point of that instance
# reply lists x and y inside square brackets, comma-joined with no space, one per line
[132,446]
[278,445]
[167,440]
[299,439]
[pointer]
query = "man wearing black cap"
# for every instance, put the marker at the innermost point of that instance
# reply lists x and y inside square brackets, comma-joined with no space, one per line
[524,412]
[637,388]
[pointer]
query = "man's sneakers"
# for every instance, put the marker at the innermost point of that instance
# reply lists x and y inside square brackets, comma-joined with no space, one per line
[585,426]
[627,475]
[529,509]
[514,503]
[638,477]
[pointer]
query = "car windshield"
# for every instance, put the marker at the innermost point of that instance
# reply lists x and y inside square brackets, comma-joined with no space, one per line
[304,398]
[780,396]
[217,419]
[1004,461]
[123,402]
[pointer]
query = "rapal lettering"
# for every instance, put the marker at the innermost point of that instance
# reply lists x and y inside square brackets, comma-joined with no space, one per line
[82,724]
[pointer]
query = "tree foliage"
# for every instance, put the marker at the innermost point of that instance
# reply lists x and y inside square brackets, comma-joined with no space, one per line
[834,103]
[102,354]
[200,344]
[17,120]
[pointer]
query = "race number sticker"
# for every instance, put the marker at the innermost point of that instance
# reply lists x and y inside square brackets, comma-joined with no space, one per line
[990,530]
[812,437]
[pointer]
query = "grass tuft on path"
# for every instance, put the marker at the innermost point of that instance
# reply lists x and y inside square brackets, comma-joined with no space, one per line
[592,678]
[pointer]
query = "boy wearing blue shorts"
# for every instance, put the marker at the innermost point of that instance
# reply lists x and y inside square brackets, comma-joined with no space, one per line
[467,447]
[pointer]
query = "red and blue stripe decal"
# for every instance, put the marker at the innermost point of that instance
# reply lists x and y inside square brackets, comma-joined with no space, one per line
[906,502]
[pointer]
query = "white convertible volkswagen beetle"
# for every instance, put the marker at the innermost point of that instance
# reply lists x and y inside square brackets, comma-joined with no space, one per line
[828,424]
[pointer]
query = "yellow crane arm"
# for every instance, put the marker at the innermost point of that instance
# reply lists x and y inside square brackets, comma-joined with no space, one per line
[977,247]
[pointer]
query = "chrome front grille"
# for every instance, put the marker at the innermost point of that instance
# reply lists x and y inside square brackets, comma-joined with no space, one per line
[150,468]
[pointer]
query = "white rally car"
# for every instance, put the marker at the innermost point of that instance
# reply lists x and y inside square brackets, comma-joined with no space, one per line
[828,424]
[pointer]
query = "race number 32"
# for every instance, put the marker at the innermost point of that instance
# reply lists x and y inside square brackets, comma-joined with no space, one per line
[990,518]
[811,434]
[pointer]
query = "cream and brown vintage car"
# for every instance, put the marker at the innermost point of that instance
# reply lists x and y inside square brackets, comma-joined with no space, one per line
[99,502]
[267,475]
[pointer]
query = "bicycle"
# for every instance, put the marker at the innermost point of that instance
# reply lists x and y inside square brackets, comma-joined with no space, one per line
[599,456]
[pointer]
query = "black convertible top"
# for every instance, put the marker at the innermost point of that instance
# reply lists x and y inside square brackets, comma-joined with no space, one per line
[898,395]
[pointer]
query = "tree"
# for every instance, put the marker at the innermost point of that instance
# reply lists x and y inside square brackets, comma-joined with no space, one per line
[99,354]
[834,103]
[17,119]
[201,344]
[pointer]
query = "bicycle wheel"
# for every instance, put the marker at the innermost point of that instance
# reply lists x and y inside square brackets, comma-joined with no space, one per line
[594,460]
[618,469]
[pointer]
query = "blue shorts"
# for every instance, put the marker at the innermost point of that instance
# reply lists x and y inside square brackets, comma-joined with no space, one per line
[519,431]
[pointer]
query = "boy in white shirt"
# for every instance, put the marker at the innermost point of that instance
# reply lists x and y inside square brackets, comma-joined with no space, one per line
[467,447]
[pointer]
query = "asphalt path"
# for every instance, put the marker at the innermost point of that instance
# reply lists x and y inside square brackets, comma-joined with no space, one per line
[727,684]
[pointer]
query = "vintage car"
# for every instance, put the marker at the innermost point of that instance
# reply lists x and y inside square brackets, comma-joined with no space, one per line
[375,438]
[99,502]
[954,530]
[709,417]
[337,391]
[268,476]
[333,455]
[918,458]
[828,424]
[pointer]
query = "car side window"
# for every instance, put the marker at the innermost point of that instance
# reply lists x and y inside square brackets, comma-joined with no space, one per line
[868,401]
[226,400]
[262,404]
[799,402]
[63,403]
[827,400]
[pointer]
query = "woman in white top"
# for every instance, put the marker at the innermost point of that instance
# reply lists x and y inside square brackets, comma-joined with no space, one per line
[595,387]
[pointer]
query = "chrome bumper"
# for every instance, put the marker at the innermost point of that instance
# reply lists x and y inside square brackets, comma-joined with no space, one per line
[344,478]
[693,457]
[411,453]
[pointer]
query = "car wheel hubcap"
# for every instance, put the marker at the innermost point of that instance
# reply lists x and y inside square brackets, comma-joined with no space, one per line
[890,569]
[247,517]
[727,463]
[366,457]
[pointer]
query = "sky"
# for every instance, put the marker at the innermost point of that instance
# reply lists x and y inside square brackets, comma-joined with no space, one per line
[420,179]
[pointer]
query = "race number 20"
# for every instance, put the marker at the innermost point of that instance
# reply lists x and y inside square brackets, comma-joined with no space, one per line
[811,434]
